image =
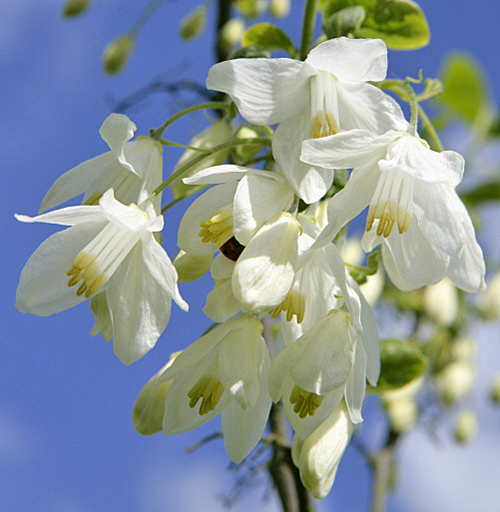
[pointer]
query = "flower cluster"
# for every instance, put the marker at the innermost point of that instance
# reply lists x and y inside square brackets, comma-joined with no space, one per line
[272,231]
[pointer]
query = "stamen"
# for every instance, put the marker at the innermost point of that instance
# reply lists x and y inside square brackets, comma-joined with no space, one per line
[323,106]
[294,304]
[218,228]
[305,403]
[210,390]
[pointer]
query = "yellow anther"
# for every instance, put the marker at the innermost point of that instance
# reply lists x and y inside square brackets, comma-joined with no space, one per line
[305,403]
[209,390]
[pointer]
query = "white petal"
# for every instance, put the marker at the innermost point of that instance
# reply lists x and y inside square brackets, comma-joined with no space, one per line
[99,307]
[43,287]
[264,272]
[266,91]
[218,174]
[221,303]
[78,180]
[365,106]
[356,384]
[257,199]
[127,217]
[409,154]
[309,182]
[116,130]
[139,308]
[351,60]
[70,216]
[244,429]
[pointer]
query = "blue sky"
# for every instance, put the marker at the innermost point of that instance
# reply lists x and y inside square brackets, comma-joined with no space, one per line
[66,438]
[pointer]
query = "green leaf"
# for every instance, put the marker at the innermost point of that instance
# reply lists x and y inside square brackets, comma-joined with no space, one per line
[486,192]
[344,22]
[268,37]
[465,90]
[400,23]
[401,362]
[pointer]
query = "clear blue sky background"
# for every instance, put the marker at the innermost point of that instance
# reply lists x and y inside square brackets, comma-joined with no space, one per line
[67,443]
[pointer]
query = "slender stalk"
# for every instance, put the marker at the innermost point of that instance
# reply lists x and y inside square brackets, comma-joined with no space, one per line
[430,128]
[223,16]
[382,466]
[157,134]
[145,16]
[405,90]
[308,28]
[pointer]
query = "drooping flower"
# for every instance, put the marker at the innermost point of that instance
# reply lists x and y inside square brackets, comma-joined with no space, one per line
[108,248]
[326,94]
[414,211]
[318,455]
[225,371]
[133,169]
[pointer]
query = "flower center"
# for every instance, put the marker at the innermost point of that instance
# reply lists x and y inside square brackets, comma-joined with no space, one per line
[98,261]
[304,402]
[218,228]
[324,109]
[391,202]
[294,304]
[209,389]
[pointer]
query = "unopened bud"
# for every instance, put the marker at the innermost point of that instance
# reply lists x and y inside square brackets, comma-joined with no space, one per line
[116,54]
[75,7]
[251,8]
[463,349]
[194,23]
[465,427]
[189,267]
[489,305]
[495,390]
[455,381]
[247,151]
[279,8]
[441,302]
[216,134]
[149,408]
[402,413]
[231,33]
[100,310]
[250,52]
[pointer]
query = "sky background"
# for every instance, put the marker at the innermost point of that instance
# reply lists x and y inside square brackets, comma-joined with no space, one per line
[67,443]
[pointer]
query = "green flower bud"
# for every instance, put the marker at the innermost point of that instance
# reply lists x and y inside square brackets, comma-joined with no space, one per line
[246,152]
[149,408]
[465,427]
[194,23]
[75,7]
[495,390]
[279,8]
[231,33]
[189,267]
[217,133]
[250,52]
[116,54]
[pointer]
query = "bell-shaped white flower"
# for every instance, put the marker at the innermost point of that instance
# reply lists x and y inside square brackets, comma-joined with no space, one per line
[132,169]
[325,94]
[225,371]
[242,201]
[414,211]
[108,248]
[318,456]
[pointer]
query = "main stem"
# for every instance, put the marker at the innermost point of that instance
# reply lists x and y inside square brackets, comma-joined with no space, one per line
[382,464]
[308,28]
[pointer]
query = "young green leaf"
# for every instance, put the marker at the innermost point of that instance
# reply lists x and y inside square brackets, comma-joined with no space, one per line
[344,22]
[268,37]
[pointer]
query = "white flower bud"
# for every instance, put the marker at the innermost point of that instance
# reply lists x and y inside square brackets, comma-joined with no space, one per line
[214,135]
[149,407]
[402,413]
[247,151]
[318,456]
[455,381]
[441,302]
[465,427]
[251,8]
[495,389]
[231,33]
[190,267]
[463,349]
[489,305]
[279,8]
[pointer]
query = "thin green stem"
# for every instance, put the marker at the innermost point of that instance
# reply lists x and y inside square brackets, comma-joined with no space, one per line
[202,157]
[430,129]
[192,190]
[145,16]
[157,134]
[308,28]
[177,145]
[405,90]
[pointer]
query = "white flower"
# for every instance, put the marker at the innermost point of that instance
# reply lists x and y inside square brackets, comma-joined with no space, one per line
[109,248]
[225,371]
[318,456]
[404,183]
[325,94]
[132,169]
